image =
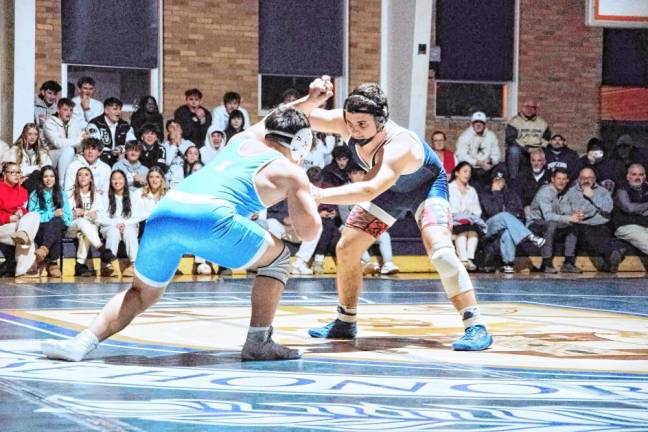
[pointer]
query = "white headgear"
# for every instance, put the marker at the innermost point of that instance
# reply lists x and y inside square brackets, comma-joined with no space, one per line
[300,143]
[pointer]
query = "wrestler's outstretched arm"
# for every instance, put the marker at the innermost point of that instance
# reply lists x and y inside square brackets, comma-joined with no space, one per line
[394,162]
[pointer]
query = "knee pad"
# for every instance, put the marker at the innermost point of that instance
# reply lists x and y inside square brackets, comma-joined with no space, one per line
[453,274]
[278,269]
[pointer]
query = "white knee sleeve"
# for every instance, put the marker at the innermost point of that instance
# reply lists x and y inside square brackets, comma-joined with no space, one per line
[453,274]
[278,269]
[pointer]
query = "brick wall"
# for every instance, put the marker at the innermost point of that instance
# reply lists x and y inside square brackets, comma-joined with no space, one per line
[215,51]
[364,42]
[48,41]
[559,64]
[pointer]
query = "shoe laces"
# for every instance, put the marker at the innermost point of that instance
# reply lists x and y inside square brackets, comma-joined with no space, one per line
[472,331]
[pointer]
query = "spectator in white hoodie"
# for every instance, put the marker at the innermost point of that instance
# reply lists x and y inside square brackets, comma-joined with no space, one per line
[86,204]
[86,106]
[175,147]
[89,157]
[63,135]
[120,222]
[29,153]
[214,142]
[478,146]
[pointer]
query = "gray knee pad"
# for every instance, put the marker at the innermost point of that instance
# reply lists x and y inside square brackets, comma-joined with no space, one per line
[453,274]
[279,268]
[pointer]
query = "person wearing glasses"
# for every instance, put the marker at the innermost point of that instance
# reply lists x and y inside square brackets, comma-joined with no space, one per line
[526,131]
[18,227]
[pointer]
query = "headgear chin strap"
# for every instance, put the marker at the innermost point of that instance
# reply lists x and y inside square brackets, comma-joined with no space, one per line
[299,144]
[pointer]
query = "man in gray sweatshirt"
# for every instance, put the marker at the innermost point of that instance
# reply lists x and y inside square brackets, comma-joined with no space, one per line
[595,203]
[546,219]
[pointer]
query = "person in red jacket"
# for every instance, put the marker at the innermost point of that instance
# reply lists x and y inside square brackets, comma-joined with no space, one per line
[18,227]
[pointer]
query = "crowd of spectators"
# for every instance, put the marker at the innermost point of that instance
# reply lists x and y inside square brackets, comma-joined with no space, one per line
[82,171]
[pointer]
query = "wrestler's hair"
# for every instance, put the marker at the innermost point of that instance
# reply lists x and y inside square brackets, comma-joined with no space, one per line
[368,98]
[286,119]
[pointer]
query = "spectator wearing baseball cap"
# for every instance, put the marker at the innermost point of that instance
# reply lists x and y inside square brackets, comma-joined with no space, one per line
[557,154]
[478,146]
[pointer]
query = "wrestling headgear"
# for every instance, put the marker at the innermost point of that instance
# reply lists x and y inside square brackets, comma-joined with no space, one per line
[299,143]
[368,98]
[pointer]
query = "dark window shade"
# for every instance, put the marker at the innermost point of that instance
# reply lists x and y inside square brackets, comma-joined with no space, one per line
[476,39]
[121,33]
[301,37]
[625,57]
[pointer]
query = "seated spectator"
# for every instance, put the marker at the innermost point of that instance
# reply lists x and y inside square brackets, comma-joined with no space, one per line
[193,117]
[49,201]
[86,204]
[63,135]
[147,113]
[529,181]
[320,152]
[30,156]
[235,124]
[630,216]
[154,189]
[478,146]
[615,167]
[330,224]
[608,168]
[45,102]
[220,114]
[447,157]
[524,132]
[89,158]
[545,218]
[336,173]
[466,214]
[113,130]
[557,154]
[214,143]
[18,227]
[86,107]
[192,162]
[502,210]
[152,152]
[119,222]
[174,148]
[594,203]
[134,169]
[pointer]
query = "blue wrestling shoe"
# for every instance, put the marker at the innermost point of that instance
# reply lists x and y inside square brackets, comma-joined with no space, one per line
[335,330]
[476,338]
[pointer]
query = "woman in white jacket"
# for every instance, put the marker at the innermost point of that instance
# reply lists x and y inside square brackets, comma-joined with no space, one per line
[87,205]
[119,222]
[149,195]
[29,153]
[466,214]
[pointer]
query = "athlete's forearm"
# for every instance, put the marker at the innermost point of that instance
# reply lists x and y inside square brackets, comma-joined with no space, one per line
[350,193]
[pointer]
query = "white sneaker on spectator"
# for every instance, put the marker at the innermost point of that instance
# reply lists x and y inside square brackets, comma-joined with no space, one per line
[389,268]
[508,268]
[300,268]
[204,269]
[318,264]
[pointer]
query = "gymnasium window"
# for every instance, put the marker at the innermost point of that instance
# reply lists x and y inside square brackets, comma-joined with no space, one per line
[476,67]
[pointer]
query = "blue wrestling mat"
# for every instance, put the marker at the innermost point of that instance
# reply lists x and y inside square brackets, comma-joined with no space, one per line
[569,355]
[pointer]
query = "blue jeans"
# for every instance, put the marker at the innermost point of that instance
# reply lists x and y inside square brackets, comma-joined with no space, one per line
[511,231]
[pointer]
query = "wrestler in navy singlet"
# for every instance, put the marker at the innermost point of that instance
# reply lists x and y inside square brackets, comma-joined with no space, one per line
[410,190]
[207,215]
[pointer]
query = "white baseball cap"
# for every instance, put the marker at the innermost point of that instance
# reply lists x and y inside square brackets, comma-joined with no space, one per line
[478,116]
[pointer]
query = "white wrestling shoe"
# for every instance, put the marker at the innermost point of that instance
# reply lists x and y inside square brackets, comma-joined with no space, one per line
[389,268]
[74,349]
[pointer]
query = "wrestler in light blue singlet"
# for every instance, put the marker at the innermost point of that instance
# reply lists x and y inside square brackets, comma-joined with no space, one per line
[207,215]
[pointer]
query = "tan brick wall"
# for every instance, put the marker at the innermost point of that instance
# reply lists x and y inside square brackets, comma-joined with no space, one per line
[364,42]
[212,45]
[560,65]
[48,41]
